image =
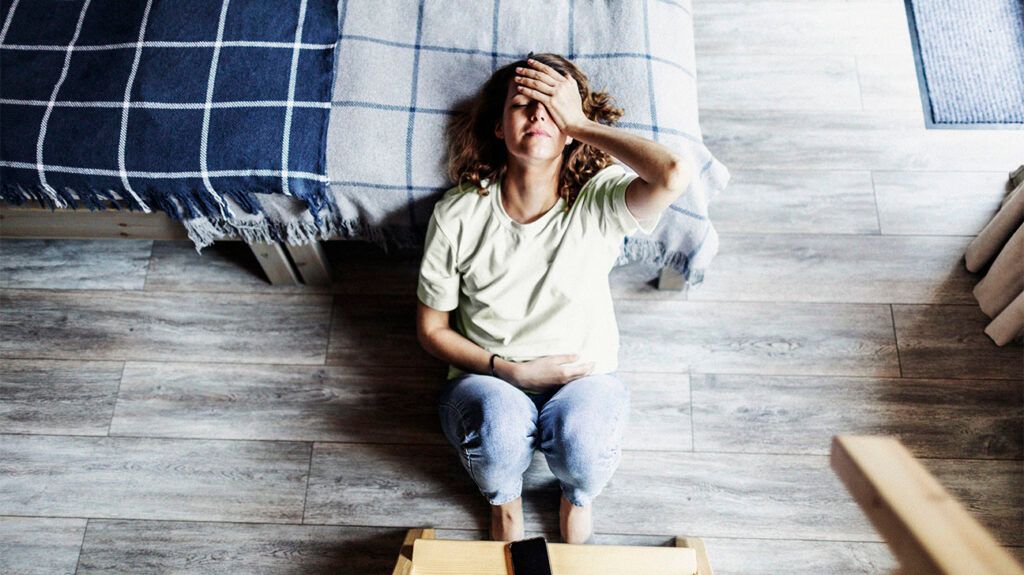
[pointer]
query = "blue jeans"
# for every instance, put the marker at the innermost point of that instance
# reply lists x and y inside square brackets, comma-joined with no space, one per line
[495,427]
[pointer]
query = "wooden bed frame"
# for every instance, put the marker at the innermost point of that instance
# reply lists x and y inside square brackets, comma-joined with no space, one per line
[283,263]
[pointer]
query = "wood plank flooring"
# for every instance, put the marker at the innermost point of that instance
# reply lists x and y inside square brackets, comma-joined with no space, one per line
[162,411]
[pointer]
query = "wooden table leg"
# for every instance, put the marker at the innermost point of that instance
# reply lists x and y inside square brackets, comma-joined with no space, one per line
[697,544]
[404,564]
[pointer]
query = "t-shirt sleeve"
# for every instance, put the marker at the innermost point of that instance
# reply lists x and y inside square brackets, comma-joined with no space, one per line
[438,285]
[608,203]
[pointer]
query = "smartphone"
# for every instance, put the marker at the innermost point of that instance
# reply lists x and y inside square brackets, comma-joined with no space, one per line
[530,556]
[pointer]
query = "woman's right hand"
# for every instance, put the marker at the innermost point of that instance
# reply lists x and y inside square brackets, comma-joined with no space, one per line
[549,371]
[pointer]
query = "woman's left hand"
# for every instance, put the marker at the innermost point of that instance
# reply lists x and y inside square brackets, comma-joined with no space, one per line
[559,93]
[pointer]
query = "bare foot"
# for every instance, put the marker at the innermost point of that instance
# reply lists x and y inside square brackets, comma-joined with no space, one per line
[507,521]
[576,522]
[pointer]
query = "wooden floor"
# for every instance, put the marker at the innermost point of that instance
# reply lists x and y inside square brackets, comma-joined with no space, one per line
[162,411]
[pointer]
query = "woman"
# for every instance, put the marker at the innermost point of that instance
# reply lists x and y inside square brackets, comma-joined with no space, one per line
[534,353]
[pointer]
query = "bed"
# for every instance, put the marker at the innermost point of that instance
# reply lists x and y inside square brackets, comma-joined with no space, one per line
[366,133]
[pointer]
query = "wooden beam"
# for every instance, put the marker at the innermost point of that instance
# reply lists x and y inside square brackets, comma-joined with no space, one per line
[311,263]
[275,263]
[43,224]
[33,222]
[445,557]
[927,529]
[404,564]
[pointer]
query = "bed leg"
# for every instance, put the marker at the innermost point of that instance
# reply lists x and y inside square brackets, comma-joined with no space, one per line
[670,280]
[274,263]
[311,263]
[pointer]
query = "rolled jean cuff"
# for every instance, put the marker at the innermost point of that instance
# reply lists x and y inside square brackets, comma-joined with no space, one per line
[508,491]
[502,498]
[577,497]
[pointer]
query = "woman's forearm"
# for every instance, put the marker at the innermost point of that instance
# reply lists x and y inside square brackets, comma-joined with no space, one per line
[653,162]
[451,346]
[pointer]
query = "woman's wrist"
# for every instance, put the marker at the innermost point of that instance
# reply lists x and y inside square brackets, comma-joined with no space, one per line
[573,130]
[504,369]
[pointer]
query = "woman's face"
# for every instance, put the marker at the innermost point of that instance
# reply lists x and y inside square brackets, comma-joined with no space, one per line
[523,115]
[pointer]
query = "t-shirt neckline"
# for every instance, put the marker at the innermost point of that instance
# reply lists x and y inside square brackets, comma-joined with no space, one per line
[507,220]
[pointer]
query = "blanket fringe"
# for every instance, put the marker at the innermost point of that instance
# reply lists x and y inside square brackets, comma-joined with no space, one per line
[179,205]
[205,232]
[637,250]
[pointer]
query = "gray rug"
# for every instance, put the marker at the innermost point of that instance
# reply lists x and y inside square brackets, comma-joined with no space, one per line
[970,54]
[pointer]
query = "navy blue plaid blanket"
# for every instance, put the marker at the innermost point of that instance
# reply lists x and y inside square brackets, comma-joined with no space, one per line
[169,105]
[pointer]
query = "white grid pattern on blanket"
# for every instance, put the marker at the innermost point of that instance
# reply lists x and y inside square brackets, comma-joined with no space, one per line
[295,46]
[170,105]
[204,137]
[169,44]
[640,51]
[49,110]
[123,137]
[41,167]
[7,24]
[291,98]
[370,33]
[165,175]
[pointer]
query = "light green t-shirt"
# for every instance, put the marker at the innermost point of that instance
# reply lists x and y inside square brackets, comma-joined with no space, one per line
[525,291]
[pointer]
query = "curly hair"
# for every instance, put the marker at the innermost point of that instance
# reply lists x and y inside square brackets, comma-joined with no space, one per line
[476,154]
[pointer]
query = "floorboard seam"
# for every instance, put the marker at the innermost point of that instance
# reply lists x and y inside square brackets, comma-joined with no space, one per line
[149,264]
[693,435]
[896,339]
[874,195]
[860,85]
[117,396]
[81,546]
[823,454]
[309,474]
[330,329]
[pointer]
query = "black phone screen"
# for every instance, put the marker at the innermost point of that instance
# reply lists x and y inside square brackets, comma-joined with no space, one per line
[530,557]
